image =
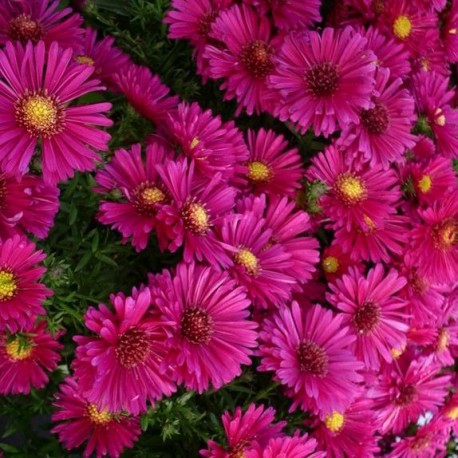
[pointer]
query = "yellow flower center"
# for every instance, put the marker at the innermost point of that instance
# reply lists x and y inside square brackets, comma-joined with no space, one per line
[452,31]
[370,223]
[425,183]
[247,260]
[259,172]
[195,141]
[98,417]
[447,235]
[151,196]
[8,285]
[334,422]
[86,60]
[439,117]
[195,218]
[452,413]
[330,264]
[397,352]
[39,115]
[442,340]
[402,27]
[351,188]
[18,350]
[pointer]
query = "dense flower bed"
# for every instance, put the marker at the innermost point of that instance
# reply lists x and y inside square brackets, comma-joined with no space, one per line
[273,277]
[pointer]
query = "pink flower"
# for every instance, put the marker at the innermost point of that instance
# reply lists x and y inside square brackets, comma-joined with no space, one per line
[449,32]
[106,59]
[80,421]
[310,354]
[36,89]
[433,244]
[210,334]
[383,134]
[214,145]
[407,389]
[324,80]
[335,262]
[21,294]
[26,357]
[118,369]
[35,20]
[141,189]
[145,92]
[245,59]
[244,430]
[271,168]
[373,311]
[195,207]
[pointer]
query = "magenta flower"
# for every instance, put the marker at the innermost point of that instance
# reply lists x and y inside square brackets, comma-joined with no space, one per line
[37,87]
[195,207]
[21,294]
[433,246]
[271,167]
[145,92]
[106,58]
[119,368]
[406,390]
[357,197]
[35,20]
[214,145]
[80,421]
[383,133]
[245,58]
[373,311]
[210,334]
[141,189]
[309,351]
[25,359]
[244,430]
[324,80]
[448,32]
[349,432]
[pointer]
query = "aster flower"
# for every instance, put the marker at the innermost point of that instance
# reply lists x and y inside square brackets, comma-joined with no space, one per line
[26,357]
[145,92]
[28,204]
[262,268]
[214,145]
[296,446]
[106,59]
[245,61]
[383,134]
[119,368]
[433,100]
[449,32]
[338,81]
[142,191]
[271,168]
[243,430]
[335,262]
[291,14]
[79,421]
[348,433]
[210,335]
[373,311]
[433,246]
[309,352]
[407,389]
[357,196]
[21,294]
[194,208]
[37,87]
[35,20]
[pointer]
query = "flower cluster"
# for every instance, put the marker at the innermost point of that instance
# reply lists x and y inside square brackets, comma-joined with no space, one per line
[338,273]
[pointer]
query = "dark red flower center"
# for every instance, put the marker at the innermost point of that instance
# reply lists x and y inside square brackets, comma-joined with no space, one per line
[39,114]
[133,348]
[23,28]
[146,197]
[196,325]
[312,358]
[195,218]
[255,57]
[206,22]
[376,120]
[407,395]
[445,234]
[322,79]
[366,317]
